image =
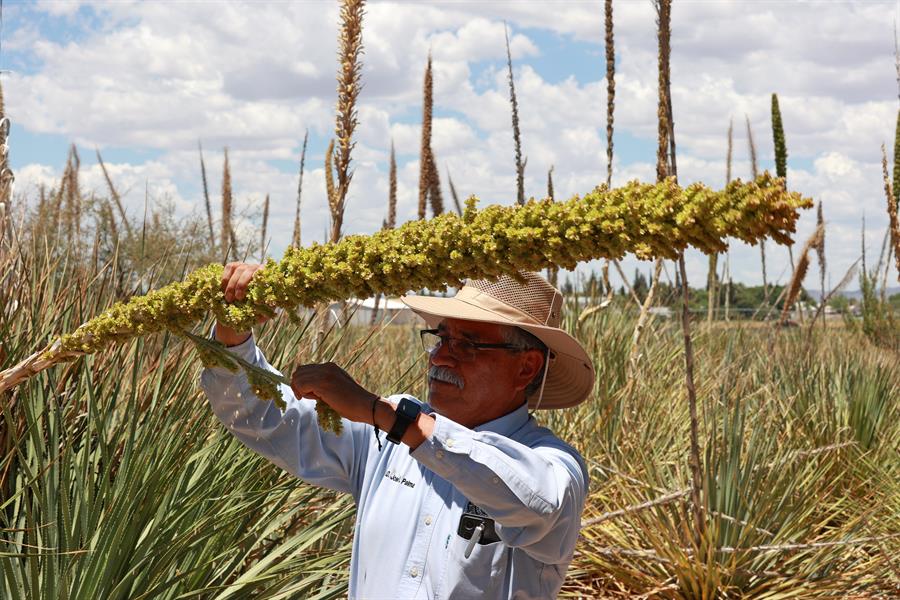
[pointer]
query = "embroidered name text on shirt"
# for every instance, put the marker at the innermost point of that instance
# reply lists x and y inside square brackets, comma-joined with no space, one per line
[397,478]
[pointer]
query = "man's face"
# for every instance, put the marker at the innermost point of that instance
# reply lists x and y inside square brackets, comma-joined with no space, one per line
[472,390]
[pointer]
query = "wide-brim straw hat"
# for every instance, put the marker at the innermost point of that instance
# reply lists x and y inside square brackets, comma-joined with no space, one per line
[536,307]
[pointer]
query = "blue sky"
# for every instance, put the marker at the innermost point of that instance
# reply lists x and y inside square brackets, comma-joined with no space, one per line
[144,82]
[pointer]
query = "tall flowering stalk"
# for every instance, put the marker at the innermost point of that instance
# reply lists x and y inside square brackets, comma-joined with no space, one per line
[434,192]
[726,269]
[610,46]
[265,223]
[429,181]
[649,220]
[664,12]
[295,239]
[799,275]
[552,272]
[391,220]
[712,277]
[781,156]
[892,209]
[778,139]
[517,136]
[209,219]
[392,192]
[71,193]
[349,75]
[6,174]
[454,195]
[227,209]
[893,200]
[820,251]
[330,189]
[754,171]
[610,87]
[662,167]
[115,195]
[897,160]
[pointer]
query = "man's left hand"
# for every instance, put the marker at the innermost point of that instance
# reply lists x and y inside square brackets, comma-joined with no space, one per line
[331,384]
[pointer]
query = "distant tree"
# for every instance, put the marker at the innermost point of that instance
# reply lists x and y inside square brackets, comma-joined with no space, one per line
[592,285]
[841,304]
[640,285]
[894,301]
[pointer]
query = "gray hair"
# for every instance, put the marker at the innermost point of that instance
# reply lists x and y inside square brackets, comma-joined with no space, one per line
[523,340]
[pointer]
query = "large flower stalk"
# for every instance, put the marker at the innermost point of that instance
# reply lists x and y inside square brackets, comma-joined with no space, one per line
[6,174]
[649,220]
[349,75]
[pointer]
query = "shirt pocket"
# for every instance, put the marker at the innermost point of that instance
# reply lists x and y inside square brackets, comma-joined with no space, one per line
[482,575]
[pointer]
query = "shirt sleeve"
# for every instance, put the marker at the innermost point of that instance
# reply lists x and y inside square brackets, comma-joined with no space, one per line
[291,439]
[535,493]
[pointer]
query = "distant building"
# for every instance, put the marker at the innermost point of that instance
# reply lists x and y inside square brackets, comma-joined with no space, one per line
[390,310]
[661,311]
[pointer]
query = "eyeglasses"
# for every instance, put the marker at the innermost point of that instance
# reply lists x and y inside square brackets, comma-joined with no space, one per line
[432,339]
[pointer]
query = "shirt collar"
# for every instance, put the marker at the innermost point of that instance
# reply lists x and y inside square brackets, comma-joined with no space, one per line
[505,425]
[508,423]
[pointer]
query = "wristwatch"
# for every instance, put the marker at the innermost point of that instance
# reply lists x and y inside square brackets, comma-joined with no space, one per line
[407,412]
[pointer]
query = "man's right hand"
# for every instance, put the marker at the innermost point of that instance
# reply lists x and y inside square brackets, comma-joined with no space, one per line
[235,280]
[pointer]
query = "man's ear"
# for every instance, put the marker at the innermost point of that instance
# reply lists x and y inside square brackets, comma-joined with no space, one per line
[531,364]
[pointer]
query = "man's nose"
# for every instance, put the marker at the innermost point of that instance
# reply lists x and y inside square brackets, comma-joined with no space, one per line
[441,356]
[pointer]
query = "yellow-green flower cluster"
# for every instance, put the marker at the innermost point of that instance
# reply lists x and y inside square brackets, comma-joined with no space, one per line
[213,354]
[650,220]
[264,387]
[329,419]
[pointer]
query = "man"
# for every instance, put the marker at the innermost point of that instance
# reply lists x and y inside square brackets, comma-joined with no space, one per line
[472,499]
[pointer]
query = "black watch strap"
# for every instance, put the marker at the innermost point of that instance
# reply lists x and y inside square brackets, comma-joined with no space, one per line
[407,412]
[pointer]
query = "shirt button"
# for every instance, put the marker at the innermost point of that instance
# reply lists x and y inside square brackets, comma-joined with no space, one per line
[428,520]
[450,443]
[439,454]
[496,480]
[414,572]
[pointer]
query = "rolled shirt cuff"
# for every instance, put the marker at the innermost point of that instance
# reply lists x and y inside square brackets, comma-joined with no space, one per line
[246,350]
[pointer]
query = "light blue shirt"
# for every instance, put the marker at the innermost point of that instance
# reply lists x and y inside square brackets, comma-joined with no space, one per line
[409,504]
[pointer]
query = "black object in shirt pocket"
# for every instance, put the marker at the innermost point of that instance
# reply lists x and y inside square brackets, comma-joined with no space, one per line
[471,518]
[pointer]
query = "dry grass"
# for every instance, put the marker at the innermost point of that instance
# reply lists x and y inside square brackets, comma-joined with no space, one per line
[793,290]
[801,446]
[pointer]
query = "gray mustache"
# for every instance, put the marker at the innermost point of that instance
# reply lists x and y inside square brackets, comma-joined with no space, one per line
[446,375]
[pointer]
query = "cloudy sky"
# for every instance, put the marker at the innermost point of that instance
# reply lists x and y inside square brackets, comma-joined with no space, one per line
[145,81]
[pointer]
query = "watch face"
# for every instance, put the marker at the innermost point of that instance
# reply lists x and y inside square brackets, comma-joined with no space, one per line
[409,408]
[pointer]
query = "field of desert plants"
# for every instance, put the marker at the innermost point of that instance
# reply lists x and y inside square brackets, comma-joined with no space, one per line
[118,482]
[729,457]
